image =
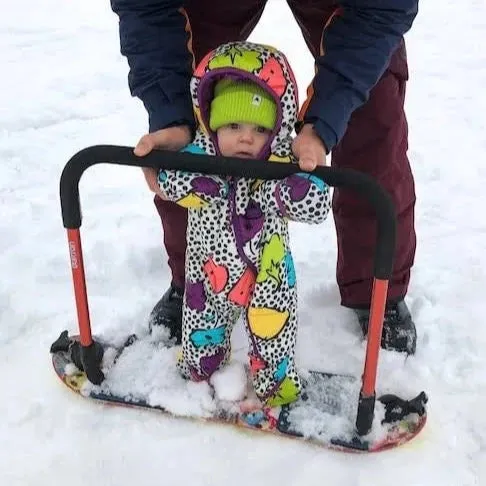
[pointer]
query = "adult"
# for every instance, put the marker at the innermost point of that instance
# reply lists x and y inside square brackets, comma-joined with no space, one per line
[354,108]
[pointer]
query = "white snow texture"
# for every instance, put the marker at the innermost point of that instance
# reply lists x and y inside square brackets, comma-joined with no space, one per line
[63,88]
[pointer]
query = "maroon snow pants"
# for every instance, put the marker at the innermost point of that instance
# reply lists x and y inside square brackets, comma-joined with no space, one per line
[375,143]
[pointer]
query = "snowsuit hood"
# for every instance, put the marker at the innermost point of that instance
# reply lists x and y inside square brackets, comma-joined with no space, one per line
[261,64]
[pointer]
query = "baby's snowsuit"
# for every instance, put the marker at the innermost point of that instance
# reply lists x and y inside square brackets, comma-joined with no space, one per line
[238,254]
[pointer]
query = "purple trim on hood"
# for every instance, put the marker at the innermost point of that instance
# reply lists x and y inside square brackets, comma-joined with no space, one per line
[204,94]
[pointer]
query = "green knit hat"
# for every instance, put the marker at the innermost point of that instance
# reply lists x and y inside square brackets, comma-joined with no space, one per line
[241,102]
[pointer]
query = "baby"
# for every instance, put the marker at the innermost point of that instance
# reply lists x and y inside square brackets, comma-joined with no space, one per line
[238,259]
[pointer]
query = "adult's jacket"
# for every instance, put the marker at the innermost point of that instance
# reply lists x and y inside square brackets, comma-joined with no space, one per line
[357,44]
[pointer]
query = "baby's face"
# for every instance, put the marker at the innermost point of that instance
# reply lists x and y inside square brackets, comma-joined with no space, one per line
[244,140]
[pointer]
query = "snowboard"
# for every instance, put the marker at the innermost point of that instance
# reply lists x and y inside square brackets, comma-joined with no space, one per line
[324,415]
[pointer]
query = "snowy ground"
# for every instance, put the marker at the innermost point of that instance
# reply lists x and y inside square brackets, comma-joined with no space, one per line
[64,88]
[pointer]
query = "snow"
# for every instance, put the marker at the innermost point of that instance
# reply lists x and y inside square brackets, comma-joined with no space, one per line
[230,382]
[64,88]
[137,374]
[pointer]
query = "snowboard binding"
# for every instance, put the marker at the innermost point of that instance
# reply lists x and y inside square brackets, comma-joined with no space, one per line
[85,358]
[397,408]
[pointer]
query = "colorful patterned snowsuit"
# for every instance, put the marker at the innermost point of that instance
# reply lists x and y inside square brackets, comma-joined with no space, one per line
[238,254]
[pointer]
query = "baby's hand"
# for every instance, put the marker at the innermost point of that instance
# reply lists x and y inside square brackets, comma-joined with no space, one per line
[309,149]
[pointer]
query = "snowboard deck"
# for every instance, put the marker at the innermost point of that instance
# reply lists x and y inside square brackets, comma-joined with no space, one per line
[322,404]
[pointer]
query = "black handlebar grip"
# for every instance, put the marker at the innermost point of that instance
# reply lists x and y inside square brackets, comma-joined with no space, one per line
[362,184]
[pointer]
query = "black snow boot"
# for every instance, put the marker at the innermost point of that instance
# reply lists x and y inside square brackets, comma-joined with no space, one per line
[168,313]
[399,333]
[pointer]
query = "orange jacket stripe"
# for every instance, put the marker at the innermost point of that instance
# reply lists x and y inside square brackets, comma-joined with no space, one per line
[310,88]
[188,29]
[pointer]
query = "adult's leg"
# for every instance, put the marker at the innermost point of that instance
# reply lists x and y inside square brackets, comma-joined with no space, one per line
[376,143]
[212,22]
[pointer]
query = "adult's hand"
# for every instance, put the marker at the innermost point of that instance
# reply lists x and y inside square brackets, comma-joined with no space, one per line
[171,138]
[309,149]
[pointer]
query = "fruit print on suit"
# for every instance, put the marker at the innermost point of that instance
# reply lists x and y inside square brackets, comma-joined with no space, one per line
[243,289]
[272,255]
[216,274]
[238,260]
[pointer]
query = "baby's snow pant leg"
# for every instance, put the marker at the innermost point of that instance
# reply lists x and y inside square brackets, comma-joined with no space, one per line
[206,332]
[271,323]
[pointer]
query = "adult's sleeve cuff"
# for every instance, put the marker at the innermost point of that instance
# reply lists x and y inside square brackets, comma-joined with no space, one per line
[324,131]
[164,113]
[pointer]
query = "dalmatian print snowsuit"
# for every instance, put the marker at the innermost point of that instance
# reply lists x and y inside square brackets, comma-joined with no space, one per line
[238,255]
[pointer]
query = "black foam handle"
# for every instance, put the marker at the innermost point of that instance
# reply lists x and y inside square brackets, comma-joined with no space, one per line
[366,411]
[361,183]
[91,357]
